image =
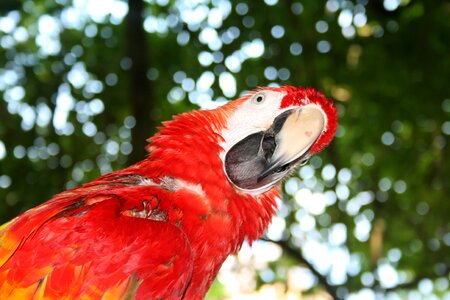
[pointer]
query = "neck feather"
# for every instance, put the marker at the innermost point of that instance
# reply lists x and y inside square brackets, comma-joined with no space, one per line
[188,148]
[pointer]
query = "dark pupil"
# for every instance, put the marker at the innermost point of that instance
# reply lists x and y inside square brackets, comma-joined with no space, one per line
[259,99]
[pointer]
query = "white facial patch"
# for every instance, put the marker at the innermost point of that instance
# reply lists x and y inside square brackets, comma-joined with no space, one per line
[250,117]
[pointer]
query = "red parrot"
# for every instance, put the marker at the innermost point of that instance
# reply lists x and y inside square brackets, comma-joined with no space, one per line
[161,228]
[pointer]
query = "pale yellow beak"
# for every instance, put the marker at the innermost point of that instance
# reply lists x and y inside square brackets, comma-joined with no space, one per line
[297,135]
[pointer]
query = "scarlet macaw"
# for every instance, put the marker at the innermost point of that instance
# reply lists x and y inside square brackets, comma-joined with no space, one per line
[161,229]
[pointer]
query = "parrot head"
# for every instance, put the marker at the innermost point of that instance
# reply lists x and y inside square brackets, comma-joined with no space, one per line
[271,131]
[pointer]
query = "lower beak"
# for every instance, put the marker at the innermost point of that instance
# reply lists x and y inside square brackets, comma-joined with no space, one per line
[262,159]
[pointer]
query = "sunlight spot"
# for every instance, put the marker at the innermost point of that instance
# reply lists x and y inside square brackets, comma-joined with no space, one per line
[112,147]
[340,259]
[64,103]
[215,18]
[276,228]
[362,228]
[179,76]
[188,84]
[300,279]
[446,128]
[345,18]
[5,181]
[387,138]
[183,38]
[348,32]
[306,172]
[342,192]
[2,150]
[253,49]
[321,26]
[307,223]
[394,255]
[89,129]
[426,286]
[270,73]
[21,34]
[266,251]
[44,115]
[100,10]
[297,8]
[205,58]
[313,203]
[9,77]
[354,205]
[74,18]
[233,63]
[337,234]
[227,84]
[363,294]
[328,172]
[271,2]
[391,5]
[242,8]
[368,159]
[207,35]
[344,176]
[48,38]
[94,86]
[9,22]
[292,185]
[296,49]
[330,198]
[323,46]
[15,93]
[78,75]
[360,19]
[277,31]
[400,186]
[332,5]
[19,151]
[176,94]
[284,74]
[205,81]
[387,275]
[28,115]
[384,184]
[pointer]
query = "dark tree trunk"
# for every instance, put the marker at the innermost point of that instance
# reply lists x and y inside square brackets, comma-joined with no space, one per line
[141,91]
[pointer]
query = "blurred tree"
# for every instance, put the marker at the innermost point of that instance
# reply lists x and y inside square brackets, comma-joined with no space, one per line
[85,82]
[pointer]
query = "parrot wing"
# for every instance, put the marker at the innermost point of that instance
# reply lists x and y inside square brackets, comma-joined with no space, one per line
[91,244]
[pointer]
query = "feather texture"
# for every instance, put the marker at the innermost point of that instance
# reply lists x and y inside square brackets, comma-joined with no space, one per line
[159,229]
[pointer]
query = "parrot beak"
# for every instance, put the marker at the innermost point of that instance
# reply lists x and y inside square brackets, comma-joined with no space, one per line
[298,133]
[261,159]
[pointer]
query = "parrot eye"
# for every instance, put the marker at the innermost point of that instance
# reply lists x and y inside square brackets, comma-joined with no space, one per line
[258,99]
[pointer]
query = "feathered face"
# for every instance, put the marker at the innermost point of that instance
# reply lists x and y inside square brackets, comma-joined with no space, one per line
[271,132]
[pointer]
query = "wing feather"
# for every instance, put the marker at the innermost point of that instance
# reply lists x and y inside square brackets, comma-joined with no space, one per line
[95,246]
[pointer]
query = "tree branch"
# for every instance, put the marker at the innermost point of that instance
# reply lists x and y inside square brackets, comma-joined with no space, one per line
[297,255]
[141,89]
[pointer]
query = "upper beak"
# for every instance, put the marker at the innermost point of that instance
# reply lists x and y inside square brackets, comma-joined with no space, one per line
[297,135]
[263,158]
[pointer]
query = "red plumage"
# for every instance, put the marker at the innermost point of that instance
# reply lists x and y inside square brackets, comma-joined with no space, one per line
[159,229]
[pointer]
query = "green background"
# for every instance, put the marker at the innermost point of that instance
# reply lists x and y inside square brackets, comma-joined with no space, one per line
[84,83]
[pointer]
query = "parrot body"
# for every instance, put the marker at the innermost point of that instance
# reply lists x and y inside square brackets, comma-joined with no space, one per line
[161,229]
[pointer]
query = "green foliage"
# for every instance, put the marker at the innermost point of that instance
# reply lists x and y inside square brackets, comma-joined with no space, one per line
[380,189]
